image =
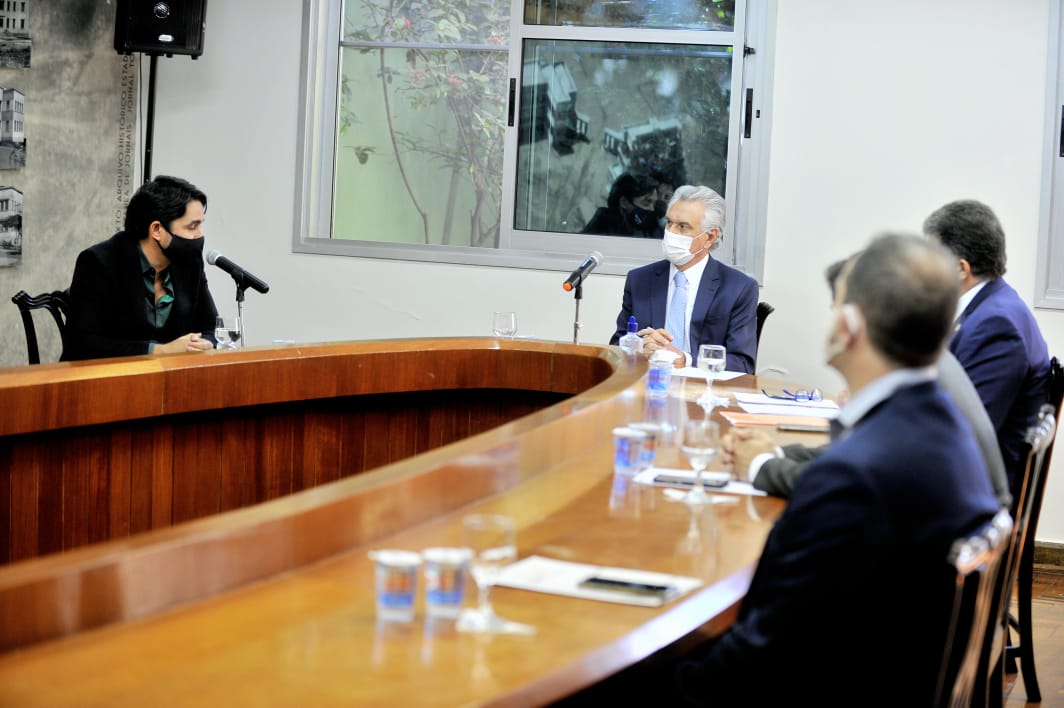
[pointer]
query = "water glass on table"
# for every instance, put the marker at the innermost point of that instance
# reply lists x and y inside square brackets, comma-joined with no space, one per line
[701,442]
[711,359]
[504,324]
[228,337]
[492,540]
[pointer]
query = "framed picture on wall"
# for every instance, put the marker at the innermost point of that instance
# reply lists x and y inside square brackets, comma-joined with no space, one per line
[10,227]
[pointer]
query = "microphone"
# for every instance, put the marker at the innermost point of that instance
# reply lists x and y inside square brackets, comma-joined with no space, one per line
[582,271]
[243,278]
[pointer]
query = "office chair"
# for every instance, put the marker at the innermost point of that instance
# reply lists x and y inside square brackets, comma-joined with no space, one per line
[763,311]
[1023,649]
[976,561]
[56,303]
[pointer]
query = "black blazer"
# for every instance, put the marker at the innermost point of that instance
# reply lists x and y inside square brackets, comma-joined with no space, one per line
[107,315]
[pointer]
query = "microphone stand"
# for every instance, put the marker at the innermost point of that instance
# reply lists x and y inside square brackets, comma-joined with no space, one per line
[240,288]
[578,295]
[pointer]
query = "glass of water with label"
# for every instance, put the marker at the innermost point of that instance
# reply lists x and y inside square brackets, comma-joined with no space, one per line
[711,359]
[492,540]
[228,336]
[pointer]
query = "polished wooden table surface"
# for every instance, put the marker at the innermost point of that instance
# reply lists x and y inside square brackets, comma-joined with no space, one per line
[310,636]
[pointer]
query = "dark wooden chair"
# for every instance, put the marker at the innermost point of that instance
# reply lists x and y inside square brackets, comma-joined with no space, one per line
[763,311]
[976,561]
[56,303]
[1039,438]
[1023,647]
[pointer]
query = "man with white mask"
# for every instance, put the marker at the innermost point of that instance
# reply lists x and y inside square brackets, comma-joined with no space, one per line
[690,298]
[854,570]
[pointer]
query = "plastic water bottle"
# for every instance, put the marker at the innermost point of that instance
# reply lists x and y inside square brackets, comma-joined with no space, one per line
[632,343]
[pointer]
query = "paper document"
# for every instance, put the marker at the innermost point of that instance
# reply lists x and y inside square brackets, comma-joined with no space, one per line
[737,418]
[763,400]
[666,477]
[595,582]
[693,373]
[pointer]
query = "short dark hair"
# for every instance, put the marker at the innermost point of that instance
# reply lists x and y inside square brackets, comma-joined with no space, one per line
[907,288]
[163,199]
[832,273]
[971,231]
[630,187]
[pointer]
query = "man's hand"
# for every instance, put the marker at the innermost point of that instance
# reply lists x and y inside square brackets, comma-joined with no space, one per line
[191,342]
[655,339]
[741,445]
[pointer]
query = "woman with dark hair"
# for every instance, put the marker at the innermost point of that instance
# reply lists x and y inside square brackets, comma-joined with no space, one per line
[629,209]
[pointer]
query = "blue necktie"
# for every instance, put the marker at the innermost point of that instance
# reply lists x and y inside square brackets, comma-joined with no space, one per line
[674,319]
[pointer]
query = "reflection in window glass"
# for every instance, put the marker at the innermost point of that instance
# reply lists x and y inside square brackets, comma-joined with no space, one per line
[646,14]
[608,130]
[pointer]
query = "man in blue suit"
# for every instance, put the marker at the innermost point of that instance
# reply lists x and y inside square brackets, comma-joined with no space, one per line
[853,577]
[996,338]
[689,298]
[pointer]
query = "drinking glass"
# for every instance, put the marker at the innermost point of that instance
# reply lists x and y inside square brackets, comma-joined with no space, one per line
[504,324]
[491,538]
[228,336]
[711,359]
[701,441]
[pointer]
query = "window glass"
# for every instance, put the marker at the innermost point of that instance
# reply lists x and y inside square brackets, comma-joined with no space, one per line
[608,130]
[647,14]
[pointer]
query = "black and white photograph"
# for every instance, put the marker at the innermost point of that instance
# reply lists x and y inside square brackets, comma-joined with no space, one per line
[12,128]
[15,42]
[10,227]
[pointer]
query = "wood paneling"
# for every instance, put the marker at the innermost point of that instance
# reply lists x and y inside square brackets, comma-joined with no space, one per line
[231,429]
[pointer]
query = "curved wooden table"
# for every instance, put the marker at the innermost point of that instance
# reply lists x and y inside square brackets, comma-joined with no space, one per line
[273,604]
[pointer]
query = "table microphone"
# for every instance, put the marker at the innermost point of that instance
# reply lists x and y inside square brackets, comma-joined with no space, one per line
[243,278]
[582,271]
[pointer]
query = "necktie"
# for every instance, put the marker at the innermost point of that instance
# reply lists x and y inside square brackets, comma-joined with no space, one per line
[674,319]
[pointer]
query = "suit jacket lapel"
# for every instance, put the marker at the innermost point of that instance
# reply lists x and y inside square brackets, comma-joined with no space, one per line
[989,289]
[659,294]
[707,291]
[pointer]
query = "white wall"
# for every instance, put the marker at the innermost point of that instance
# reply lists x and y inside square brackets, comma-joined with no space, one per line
[882,112]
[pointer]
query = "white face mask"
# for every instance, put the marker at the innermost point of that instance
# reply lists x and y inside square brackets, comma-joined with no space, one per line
[676,248]
[836,343]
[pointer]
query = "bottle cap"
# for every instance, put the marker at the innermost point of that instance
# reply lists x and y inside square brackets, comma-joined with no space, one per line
[633,326]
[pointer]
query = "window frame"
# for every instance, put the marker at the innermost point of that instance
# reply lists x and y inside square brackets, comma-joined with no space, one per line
[747,175]
[1049,276]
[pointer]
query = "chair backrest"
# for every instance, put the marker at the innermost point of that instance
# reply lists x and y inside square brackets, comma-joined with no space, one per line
[976,560]
[763,311]
[1038,481]
[56,303]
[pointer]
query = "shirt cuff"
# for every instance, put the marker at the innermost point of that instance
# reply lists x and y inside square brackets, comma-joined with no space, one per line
[151,346]
[760,460]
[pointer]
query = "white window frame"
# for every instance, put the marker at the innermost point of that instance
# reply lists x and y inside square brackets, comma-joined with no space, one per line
[747,176]
[1049,277]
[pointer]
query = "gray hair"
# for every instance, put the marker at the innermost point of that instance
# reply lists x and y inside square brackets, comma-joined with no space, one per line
[714,214]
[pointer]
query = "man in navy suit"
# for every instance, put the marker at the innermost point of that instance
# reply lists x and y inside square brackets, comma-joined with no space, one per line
[853,579]
[717,303]
[996,338]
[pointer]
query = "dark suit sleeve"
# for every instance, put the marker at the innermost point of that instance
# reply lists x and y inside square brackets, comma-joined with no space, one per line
[995,358]
[205,313]
[90,321]
[626,311]
[810,559]
[777,477]
[741,340]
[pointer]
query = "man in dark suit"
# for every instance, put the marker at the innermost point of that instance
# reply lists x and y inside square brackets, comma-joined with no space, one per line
[690,298]
[754,454]
[853,578]
[996,338]
[144,290]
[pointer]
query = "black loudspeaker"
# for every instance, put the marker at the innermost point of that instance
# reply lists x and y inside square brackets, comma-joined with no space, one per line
[165,27]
